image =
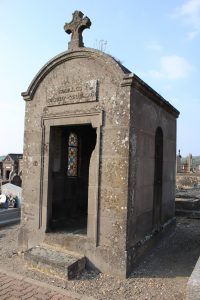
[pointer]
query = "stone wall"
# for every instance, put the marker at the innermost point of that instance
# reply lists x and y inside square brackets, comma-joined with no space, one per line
[147,117]
[56,102]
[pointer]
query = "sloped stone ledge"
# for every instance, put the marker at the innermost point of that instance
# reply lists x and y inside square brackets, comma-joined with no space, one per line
[193,285]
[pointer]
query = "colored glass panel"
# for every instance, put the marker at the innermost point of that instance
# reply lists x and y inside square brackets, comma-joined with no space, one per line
[73,140]
[72,169]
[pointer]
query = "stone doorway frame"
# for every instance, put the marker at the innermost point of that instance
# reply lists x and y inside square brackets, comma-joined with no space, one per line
[96,120]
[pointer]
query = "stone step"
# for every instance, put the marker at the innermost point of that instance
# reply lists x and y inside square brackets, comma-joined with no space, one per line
[53,262]
[185,203]
[193,214]
[70,242]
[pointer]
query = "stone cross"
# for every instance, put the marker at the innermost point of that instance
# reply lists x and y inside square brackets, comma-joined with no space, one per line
[76,27]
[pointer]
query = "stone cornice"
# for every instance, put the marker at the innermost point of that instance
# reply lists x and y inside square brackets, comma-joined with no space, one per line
[133,80]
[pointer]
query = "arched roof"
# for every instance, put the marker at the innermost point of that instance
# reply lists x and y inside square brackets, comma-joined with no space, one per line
[69,55]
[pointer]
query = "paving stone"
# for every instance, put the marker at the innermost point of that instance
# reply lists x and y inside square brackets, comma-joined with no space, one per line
[19,289]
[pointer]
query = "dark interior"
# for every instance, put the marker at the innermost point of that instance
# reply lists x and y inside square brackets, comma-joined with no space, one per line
[68,195]
[7,174]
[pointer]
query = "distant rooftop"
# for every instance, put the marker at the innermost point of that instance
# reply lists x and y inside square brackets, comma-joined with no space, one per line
[2,157]
[13,156]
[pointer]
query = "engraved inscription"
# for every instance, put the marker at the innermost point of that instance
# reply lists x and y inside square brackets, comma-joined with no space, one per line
[75,92]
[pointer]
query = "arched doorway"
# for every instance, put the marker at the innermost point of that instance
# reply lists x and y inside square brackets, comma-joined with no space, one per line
[158,170]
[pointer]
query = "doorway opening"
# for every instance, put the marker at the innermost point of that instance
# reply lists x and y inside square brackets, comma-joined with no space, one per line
[158,170]
[8,174]
[71,148]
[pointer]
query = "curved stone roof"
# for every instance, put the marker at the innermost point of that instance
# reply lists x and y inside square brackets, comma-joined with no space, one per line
[68,55]
[128,78]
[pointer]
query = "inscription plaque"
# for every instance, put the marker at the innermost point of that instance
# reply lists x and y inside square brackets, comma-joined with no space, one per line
[73,92]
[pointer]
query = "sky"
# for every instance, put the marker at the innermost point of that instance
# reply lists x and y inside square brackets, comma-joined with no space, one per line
[157,40]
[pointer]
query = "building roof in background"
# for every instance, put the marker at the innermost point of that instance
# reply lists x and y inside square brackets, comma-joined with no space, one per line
[2,157]
[13,156]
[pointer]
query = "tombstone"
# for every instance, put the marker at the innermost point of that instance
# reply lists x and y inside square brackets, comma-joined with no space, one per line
[178,162]
[16,180]
[99,158]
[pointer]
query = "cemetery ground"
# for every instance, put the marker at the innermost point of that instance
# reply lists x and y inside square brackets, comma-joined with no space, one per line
[162,274]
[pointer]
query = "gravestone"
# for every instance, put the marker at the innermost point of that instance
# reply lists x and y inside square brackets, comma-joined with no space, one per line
[99,158]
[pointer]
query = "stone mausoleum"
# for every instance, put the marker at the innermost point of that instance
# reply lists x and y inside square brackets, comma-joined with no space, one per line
[99,158]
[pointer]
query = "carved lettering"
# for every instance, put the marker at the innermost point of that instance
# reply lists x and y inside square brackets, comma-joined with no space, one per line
[73,93]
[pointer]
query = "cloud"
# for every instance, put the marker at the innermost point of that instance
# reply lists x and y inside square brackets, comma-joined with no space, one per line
[189,12]
[193,34]
[156,74]
[171,67]
[154,46]
[167,87]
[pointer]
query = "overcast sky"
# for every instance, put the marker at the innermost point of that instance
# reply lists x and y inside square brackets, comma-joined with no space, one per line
[157,40]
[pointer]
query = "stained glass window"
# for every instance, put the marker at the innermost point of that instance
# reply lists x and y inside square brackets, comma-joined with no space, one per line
[73,140]
[72,155]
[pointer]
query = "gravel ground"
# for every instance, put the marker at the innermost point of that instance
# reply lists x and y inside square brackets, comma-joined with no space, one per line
[163,274]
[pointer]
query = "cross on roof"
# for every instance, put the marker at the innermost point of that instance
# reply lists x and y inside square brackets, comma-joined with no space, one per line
[76,27]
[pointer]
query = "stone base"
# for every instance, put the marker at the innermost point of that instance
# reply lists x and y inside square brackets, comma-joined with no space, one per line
[101,258]
[185,203]
[138,252]
[188,207]
[116,262]
[193,214]
[63,264]
[66,241]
